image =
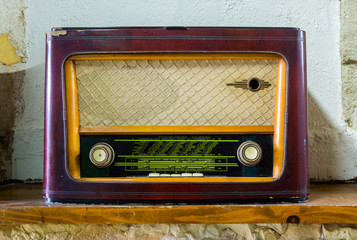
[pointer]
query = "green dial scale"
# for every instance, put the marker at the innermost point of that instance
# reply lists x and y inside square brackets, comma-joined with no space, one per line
[163,155]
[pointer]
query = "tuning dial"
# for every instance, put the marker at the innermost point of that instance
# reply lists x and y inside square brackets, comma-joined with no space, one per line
[249,153]
[101,155]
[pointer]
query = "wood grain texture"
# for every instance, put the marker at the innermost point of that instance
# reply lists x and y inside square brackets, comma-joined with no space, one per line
[23,204]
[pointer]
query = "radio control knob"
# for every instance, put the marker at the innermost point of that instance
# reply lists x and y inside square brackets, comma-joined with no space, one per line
[249,153]
[101,155]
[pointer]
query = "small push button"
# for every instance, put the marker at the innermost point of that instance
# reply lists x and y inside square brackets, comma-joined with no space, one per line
[154,174]
[197,174]
[186,174]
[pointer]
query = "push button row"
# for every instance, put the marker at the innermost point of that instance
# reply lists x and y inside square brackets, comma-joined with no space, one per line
[176,175]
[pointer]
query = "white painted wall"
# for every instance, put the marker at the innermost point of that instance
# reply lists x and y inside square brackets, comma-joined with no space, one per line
[332,144]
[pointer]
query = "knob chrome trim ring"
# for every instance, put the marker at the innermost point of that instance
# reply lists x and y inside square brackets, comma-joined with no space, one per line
[249,159]
[105,149]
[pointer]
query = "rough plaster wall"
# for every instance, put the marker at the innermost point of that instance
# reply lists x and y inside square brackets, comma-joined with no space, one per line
[13,23]
[338,137]
[181,232]
[10,99]
[349,62]
[12,52]
[332,144]
[168,232]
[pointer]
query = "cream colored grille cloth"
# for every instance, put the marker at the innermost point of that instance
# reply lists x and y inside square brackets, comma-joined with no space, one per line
[174,92]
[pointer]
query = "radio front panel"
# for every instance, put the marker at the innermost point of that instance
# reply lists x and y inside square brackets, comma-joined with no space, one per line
[202,93]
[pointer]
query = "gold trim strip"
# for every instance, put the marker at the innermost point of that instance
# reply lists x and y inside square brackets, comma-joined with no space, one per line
[278,150]
[73,144]
[182,179]
[151,130]
[74,129]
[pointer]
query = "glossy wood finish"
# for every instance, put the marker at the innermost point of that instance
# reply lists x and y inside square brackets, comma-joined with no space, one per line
[287,42]
[22,204]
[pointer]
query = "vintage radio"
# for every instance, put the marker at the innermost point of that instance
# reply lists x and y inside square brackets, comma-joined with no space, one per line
[175,114]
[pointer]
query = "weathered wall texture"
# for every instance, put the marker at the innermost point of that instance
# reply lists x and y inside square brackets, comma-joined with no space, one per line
[12,56]
[10,109]
[180,232]
[13,25]
[349,61]
[165,232]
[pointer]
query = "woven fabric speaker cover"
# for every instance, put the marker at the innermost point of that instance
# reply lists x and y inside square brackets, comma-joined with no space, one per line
[181,92]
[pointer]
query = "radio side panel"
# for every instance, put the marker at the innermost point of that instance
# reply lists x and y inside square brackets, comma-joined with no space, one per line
[288,43]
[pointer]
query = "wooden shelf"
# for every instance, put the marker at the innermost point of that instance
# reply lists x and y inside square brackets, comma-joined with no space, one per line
[23,204]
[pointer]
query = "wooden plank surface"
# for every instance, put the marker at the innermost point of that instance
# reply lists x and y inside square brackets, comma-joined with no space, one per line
[23,203]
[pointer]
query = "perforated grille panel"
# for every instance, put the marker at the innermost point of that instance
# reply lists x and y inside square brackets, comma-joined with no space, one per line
[174,92]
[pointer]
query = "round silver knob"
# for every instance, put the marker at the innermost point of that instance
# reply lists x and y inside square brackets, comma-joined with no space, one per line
[101,155]
[249,153]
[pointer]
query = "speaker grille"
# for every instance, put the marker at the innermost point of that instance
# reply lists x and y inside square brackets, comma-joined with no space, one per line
[174,92]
